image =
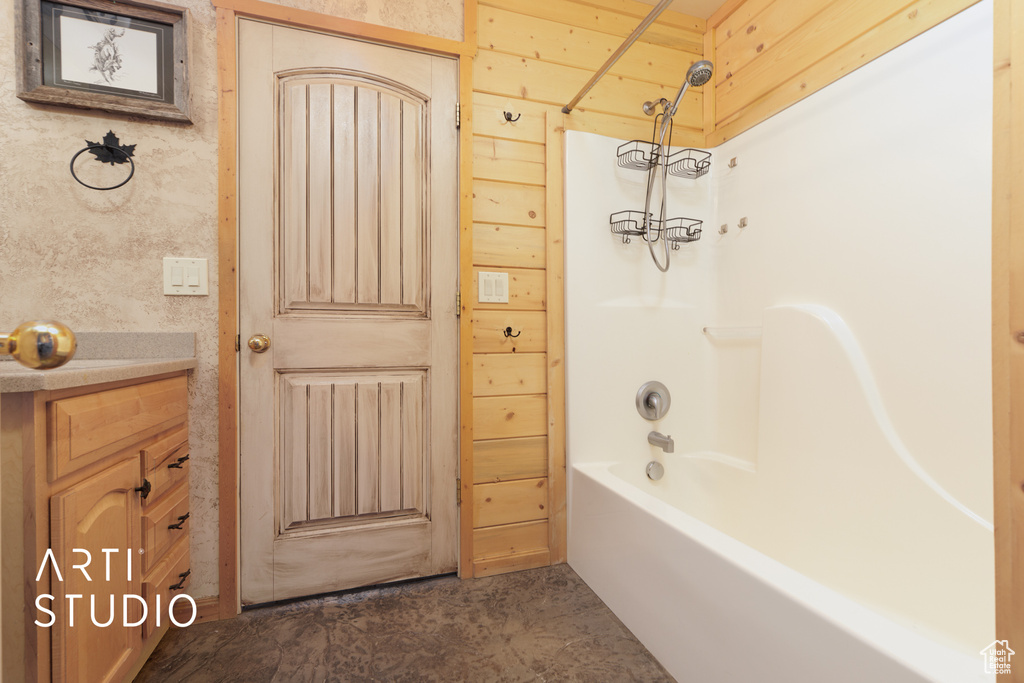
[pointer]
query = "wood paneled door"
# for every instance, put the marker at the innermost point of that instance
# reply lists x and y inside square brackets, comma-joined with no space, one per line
[348,263]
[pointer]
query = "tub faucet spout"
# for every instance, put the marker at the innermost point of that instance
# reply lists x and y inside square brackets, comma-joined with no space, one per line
[663,442]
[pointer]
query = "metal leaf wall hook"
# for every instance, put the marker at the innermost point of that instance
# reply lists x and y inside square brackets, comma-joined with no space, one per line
[110,151]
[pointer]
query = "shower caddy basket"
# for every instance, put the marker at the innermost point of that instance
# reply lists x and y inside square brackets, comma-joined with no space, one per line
[678,231]
[641,155]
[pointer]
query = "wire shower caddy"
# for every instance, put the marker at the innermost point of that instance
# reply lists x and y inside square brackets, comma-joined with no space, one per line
[643,155]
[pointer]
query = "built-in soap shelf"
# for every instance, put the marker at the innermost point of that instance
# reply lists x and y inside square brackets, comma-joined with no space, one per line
[678,231]
[641,155]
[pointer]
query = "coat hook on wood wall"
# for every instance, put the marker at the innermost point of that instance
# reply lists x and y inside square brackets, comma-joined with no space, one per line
[110,151]
[508,117]
[508,332]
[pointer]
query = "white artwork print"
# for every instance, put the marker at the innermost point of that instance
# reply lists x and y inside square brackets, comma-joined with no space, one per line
[102,54]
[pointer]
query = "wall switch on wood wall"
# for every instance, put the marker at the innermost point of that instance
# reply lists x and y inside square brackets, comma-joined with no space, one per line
[493,288]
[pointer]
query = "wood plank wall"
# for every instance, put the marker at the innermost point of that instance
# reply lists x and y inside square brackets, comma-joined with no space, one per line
[769,54]
[534,57]
[537,54]
[1008,321]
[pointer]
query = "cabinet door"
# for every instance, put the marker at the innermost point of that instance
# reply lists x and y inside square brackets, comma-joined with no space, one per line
[101,512]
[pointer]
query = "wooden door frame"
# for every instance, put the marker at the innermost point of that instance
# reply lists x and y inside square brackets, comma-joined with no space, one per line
[1008,321]
[228,602]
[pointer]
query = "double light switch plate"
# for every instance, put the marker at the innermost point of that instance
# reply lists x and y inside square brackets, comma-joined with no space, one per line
[186,277]
[493,288]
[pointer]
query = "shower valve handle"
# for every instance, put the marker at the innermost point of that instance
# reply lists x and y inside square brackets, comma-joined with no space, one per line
[653,400]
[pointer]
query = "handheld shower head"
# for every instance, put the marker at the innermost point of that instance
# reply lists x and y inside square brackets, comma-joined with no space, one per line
[697,75]
[700,73]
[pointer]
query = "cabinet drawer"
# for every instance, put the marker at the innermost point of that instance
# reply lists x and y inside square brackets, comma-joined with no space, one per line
[84,429]
[165,477]
[169,578]
[164,524]
[166,445]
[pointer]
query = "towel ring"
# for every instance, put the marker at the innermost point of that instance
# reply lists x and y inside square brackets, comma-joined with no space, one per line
[127,158]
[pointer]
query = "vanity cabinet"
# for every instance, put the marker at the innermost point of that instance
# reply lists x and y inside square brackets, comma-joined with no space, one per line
[103,503]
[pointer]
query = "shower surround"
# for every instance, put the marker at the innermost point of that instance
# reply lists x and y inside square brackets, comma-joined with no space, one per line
[832,474]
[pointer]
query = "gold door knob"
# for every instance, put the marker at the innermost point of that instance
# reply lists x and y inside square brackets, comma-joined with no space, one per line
[259,343]
[40,344]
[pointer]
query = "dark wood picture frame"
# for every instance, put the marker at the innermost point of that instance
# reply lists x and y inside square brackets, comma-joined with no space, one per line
[40,77]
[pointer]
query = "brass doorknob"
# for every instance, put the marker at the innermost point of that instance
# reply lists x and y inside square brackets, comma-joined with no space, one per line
[259,343]
[40,344]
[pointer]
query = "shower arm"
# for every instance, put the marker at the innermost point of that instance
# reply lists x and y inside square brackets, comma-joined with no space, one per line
[626,44]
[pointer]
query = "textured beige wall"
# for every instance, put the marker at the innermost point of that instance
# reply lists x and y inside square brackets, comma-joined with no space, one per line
[441,18]
[94,259]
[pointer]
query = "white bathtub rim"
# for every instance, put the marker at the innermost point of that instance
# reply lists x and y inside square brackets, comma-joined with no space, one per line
[723,459]
[916,652]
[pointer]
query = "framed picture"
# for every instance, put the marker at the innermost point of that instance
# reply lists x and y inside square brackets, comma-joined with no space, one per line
[124,57]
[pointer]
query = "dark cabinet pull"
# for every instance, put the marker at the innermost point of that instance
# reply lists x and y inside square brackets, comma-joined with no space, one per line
[181,520]
[145,488]
[181,582]
[176,465]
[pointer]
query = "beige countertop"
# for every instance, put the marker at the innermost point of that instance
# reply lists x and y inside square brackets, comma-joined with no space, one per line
[15,377]
[106,357]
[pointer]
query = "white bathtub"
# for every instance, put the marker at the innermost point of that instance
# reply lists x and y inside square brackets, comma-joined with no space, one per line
[712,609]
[828,554]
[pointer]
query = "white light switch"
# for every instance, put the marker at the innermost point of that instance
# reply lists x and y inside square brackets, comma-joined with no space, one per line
[186,276]
[493,288]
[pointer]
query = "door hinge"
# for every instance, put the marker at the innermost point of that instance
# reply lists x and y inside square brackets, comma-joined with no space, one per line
[238,343]
[458,115]
[458,304]
[458,491]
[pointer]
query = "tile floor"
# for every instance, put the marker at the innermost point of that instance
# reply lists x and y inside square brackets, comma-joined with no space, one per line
[538,625]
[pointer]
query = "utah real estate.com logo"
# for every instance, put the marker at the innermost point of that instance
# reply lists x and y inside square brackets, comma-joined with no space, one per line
[103,615]
[997,657]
